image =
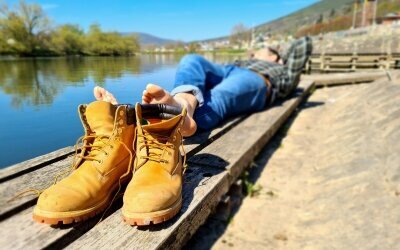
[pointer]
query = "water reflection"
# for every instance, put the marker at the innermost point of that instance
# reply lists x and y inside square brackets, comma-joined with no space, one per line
[39,81]
[39,98]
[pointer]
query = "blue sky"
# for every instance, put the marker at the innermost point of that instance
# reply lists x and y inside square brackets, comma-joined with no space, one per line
[185,20]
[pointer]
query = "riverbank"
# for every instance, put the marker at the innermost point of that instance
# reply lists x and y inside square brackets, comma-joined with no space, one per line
[227,52]
[176,53]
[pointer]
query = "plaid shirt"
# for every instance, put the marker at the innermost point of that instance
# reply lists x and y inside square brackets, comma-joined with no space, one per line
[284,78]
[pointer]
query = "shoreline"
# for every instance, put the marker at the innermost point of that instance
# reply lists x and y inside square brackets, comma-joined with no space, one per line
[11,57]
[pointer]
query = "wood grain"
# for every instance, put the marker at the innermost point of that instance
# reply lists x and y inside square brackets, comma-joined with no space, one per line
[218,158]
[230,154]
[19,211]
[34,164]
[344,78]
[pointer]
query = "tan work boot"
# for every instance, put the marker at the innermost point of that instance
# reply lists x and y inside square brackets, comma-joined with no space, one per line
[104,162]
[154,194]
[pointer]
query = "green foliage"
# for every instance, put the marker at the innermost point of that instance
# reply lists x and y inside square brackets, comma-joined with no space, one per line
[68,40]
[336,24]
[109,43]
[343,22]
[386,7]
[194,47]
[39,81]
[25,30]
[251,189]
[24,27]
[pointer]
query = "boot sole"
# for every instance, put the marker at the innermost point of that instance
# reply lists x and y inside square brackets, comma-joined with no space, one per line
[145,219]
[55,218]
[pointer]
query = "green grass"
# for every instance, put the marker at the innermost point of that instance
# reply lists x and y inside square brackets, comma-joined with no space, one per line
[250,188]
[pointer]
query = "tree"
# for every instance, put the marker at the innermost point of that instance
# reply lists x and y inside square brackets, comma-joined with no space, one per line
[240,34]
[25,30]
[25,26]
[68,40]
[194,47]
[109,43]
[4,48]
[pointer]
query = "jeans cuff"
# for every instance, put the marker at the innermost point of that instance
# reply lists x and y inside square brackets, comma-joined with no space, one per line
[191,89]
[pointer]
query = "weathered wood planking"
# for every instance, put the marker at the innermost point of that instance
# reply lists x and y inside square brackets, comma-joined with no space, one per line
[34,164]
[21,232]
[49,168]
[231,155]
[203,188]
[250,136]
[202,191]
[39,179]
[351,62]
[20,210]
[343,78]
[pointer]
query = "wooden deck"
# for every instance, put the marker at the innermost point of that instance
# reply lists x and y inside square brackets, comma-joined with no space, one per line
[323,80]
[215,159]
[352,62]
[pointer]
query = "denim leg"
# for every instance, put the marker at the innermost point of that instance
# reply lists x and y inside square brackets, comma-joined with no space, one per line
[241,91]
[197,75]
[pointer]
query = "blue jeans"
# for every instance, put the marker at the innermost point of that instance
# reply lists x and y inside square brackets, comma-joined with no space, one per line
[222,90]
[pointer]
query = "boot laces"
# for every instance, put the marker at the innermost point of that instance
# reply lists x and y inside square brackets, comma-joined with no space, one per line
[97,147]
[154,143]
[91,156]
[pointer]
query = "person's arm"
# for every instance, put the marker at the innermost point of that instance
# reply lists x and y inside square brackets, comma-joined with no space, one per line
[295,60]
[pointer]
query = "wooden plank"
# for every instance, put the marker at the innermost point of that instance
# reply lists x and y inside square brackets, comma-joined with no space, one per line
[338,63]
[234,152]
[34,164]
[199,201]
[202,139]
[20,232]
[342,78]
[336,70]
[20,210]
[43,160]
[250,136]
[39,179]
[342,62]
[44,176]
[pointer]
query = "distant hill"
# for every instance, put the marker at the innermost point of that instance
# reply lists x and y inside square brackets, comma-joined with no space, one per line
[324,9]
[320,11]
[147,39]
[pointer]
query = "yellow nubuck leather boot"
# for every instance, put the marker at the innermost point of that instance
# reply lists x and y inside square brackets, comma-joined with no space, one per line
[154,194]
[101,167]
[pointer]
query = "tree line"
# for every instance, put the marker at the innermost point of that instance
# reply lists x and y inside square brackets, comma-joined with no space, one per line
[26,30]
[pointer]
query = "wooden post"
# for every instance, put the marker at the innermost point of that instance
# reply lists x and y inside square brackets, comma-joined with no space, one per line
[354,61]
[322,65]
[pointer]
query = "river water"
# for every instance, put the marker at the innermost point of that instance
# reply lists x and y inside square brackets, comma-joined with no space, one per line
[39,97]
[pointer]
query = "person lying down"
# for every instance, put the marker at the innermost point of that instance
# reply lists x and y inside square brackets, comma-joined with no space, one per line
[212,92]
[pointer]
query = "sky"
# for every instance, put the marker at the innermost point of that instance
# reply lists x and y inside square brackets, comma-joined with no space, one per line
[179,20]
